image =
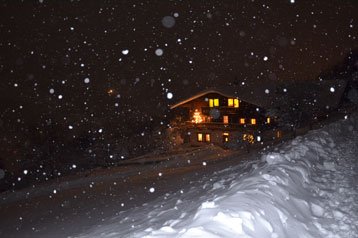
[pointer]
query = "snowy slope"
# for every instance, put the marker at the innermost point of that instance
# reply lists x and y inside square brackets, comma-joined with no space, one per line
[304,188]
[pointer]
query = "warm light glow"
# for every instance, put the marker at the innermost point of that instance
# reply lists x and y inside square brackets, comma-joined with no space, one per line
[200,137]
[230,102]
[214,102]
[226,136]
[249,138]
[268,120]
[110,91]
[236,103]
[197,118]
[233,102]
[278,134]
[253,121]
[242,120]
[207,138]
[226,119]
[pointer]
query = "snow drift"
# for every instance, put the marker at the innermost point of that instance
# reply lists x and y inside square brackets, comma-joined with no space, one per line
[302,188]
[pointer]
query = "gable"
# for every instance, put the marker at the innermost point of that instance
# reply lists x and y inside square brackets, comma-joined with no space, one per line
[207,94]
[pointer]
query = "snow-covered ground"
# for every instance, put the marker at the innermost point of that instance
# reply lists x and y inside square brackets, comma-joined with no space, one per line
[306,187]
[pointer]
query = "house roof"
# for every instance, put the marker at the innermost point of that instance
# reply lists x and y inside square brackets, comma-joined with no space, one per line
[225,93]
[256,95]
[200,94]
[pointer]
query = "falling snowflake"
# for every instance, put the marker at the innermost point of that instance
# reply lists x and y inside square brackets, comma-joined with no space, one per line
[86,80]
[125,52]
[169,95]
[152,190]
[332,89]
[159,52]
[168,21]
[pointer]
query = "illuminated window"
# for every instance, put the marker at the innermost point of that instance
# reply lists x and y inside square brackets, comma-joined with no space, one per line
[253,121]
[214,102]
[230,102]
[233,102]
[207,138]
[242,120]
[268,120]
[226,119]
[236,102]
[225,137]
[211,102]
[200,137]
[278,134]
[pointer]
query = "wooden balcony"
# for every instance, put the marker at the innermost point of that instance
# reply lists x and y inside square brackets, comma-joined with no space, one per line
[216,125]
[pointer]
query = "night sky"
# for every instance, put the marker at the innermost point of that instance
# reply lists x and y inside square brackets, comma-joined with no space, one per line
[70,63]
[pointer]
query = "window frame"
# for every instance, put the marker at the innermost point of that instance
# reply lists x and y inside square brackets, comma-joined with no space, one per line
[199,137]
[207,135]
[226,121]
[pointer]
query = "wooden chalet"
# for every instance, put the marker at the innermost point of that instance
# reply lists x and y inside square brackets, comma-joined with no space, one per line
[220,118]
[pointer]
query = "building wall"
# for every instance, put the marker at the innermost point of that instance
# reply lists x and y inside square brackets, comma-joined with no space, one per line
[245,110]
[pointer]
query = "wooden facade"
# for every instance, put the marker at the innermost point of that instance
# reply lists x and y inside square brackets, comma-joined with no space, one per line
[218,118]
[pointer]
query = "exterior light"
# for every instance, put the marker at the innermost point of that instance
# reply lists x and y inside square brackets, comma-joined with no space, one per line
[110,91]
[197,118]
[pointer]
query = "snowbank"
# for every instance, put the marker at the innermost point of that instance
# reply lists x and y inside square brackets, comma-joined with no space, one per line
[304,188]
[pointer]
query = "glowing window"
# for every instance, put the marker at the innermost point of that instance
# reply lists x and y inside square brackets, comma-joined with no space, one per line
[216,102]
[230,102]
[207,138]
[200,137]
[242,120]
[226,137]
[268,120]
[236,102]
[253,121]
[226,119]
[278,134]
[211,102]
[233,102]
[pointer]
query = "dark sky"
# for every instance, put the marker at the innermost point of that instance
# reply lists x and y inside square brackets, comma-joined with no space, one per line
[49,48]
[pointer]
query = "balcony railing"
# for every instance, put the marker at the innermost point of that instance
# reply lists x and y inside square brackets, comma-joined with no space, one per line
[215,125]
